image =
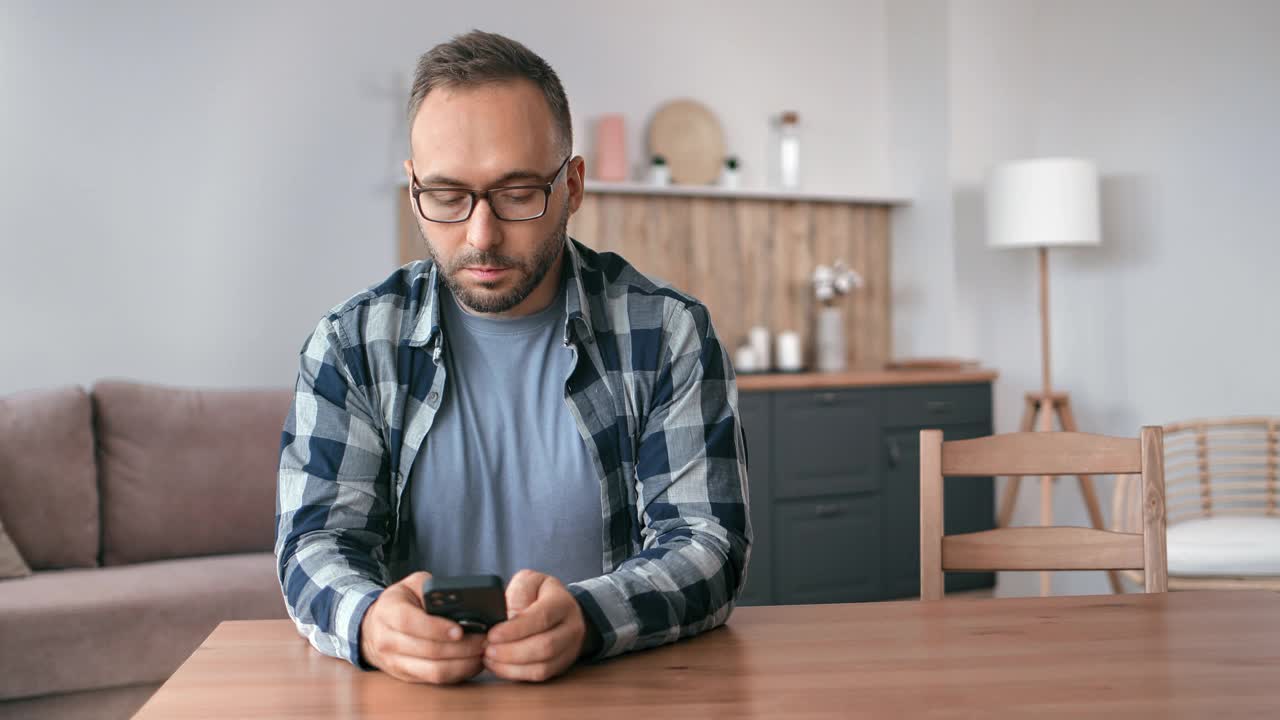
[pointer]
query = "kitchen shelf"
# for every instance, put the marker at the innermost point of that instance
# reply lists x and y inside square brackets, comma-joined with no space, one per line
[714,191]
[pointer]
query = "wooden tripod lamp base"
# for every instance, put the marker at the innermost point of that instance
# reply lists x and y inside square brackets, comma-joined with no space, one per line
[1042,203]
[1040,412]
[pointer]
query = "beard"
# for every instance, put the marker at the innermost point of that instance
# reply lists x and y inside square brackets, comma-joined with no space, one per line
[483,297]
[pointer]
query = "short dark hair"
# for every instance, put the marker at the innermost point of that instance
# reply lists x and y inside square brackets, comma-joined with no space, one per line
[479,58]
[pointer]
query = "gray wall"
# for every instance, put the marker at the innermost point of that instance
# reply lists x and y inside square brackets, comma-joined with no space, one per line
[188,187]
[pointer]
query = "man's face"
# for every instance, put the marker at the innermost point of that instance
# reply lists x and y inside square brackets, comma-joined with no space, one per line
[496,135]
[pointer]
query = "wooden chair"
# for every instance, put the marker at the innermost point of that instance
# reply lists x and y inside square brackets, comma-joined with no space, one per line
[1222,504]
[1041,548]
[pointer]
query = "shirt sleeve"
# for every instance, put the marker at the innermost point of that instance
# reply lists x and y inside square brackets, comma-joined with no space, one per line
[691,479]
[332,501]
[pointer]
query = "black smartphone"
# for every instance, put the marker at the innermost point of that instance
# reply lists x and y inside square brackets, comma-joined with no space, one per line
[476,602]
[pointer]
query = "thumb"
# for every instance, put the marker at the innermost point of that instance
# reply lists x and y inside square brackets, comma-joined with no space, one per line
[522,591]
[411,586]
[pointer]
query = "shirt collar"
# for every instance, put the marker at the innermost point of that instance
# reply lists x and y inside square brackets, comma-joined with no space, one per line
[577,306]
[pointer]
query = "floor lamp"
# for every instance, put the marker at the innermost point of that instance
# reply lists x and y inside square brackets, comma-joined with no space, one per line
[1044,203]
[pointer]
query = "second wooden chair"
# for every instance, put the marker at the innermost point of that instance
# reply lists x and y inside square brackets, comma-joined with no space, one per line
[1041,548]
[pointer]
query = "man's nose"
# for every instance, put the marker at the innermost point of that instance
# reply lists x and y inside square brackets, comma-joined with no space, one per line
[483,229]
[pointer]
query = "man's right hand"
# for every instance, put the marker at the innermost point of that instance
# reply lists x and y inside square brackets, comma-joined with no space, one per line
[398,637]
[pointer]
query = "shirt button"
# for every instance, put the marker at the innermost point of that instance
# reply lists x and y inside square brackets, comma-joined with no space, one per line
[433,398]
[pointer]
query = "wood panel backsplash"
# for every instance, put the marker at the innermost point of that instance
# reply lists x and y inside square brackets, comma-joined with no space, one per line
[748,260]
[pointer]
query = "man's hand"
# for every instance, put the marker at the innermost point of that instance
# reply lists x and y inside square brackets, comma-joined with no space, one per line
[544,633]
[398,637]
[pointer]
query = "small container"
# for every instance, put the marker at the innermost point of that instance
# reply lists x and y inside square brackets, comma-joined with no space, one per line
[744,360]
[729,173]
[758,337]
[790,353]
[659,173]
[788,150]
[611,148]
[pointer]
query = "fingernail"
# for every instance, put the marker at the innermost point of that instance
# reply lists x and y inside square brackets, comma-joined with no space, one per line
[455,633]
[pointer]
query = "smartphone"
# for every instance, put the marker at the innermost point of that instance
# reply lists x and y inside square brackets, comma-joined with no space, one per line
[476,602]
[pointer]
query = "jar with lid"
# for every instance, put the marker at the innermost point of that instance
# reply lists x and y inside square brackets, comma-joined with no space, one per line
[787,150]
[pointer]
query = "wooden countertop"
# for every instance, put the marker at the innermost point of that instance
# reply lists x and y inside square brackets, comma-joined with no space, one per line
[861,378]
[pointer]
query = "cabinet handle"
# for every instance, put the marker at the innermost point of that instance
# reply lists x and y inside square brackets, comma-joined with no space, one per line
[824,510]
[939,407]
[895,453]
[827,398]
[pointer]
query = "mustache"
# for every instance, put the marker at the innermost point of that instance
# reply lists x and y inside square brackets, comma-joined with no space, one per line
[487,259]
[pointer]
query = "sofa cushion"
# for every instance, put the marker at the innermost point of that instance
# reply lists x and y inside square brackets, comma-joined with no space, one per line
[68,630]
[1225,546]
[11,563]
[119,703]
[48,482]
[186,472]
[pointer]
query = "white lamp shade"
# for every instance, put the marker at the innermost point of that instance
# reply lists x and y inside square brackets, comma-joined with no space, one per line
[1046,202]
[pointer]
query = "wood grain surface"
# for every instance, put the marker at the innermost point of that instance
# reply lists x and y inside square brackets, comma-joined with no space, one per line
[1193,655]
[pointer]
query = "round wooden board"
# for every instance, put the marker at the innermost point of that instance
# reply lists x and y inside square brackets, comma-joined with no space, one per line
[688,135]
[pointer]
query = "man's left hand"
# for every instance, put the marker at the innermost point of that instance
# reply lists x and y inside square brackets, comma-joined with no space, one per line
[544,632]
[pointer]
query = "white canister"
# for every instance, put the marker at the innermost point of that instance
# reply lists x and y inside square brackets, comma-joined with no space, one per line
[744,360]
[758,336]
[790,355]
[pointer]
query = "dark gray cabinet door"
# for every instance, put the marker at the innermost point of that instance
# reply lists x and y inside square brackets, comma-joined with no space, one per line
[968,506]
[901,552]
[827,443]
[828,549]
[756,413]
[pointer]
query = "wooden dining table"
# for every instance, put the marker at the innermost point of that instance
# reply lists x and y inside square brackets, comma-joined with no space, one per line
[1189,654]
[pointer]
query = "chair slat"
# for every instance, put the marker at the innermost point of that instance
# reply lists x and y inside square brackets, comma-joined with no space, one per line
[1041,548]
[1041,453]
[1257,511]
[1220,489]
[1257,503]
[1181,427]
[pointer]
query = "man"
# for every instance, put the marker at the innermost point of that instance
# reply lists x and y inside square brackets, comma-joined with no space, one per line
[517,405]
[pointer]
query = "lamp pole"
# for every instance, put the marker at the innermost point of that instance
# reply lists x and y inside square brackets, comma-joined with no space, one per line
[1046,402]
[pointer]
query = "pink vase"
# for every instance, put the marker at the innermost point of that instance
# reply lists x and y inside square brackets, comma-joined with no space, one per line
[611,148]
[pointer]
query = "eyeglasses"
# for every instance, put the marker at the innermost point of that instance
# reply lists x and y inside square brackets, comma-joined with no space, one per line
[513,203]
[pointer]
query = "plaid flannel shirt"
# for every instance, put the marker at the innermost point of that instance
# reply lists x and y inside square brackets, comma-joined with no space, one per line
[652,393]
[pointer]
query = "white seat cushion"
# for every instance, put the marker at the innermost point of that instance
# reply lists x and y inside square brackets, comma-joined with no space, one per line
[1225,546]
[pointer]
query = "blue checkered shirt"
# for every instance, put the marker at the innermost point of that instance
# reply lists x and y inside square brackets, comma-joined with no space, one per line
[652,393]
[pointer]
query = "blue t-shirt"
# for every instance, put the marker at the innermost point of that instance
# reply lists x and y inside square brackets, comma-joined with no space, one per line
[504,480]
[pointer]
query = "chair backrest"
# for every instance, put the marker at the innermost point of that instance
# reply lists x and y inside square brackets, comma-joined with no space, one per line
[1213,467]
[1041,548]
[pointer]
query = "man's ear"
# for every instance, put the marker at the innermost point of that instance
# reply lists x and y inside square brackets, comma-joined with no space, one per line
[575,178]
[408,171]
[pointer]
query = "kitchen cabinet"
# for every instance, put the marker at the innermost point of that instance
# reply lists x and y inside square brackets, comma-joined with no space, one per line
[834,477]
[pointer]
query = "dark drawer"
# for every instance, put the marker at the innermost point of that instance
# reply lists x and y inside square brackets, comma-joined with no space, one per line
[832,549]
[827,443]
[932,405]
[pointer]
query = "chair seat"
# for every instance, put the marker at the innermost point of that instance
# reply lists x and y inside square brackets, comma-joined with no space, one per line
[1225,546]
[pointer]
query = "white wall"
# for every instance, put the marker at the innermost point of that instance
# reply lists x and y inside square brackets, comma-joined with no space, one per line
[922,263]
[187,188]
[1174,316]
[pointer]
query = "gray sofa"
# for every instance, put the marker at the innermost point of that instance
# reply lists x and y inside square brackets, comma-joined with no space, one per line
[146,515]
